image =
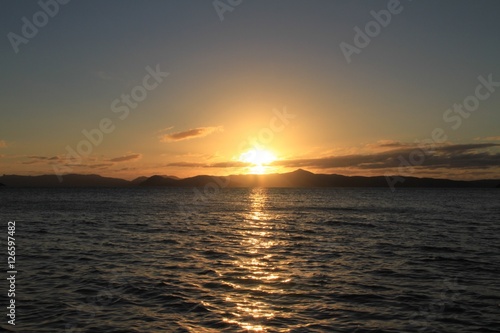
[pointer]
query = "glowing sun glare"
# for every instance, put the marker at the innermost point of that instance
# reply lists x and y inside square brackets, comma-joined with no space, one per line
[259,158]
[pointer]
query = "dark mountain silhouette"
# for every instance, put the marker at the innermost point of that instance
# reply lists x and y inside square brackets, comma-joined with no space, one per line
[303,178]
[71,180]
[160,181]
[298,178]
[138,180]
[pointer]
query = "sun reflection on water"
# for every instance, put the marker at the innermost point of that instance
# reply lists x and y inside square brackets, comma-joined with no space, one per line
[260,273]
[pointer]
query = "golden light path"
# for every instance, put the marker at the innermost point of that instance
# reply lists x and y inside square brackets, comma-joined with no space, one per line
[261,269]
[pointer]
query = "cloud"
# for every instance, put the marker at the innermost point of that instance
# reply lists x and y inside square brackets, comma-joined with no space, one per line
[127,169]
[90,162]
[3,144]
[391,144]
[466,157]
[488,138]
[38,157]
[229,164]
[35,159]
[385,145]
[449,156]
[99,166]
[125,158]
[187,164]
[466,147]
[44,158]
[190,134]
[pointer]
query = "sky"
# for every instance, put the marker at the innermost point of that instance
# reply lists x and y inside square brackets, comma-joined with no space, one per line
[137,88]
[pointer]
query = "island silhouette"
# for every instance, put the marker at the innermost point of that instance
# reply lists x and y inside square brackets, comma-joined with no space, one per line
[298,178]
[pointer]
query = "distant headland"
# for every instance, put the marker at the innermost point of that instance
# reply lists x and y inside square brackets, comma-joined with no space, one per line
[298,178]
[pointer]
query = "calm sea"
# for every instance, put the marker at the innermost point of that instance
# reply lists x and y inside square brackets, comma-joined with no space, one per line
[254,260]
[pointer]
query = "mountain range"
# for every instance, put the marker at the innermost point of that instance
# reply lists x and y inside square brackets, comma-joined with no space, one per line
[298,178]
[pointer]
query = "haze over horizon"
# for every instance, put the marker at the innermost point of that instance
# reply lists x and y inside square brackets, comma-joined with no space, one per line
[187,88]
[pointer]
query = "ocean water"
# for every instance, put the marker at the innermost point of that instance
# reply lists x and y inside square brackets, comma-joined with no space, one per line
[254,260]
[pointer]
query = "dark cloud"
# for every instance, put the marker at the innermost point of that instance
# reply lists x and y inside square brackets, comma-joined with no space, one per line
[44,158]
[190,134]
[38,157]
[34,159]
[187,165]
[229,164]
[99,166]
[451,156]
[125,158]
[392,144]
[488,138]
[465,156]
[466,147]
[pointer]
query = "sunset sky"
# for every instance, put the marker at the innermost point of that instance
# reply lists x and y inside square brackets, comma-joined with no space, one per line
[212,81]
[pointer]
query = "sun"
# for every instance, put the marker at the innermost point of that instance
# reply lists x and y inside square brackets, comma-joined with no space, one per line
[257,156]
[259,159]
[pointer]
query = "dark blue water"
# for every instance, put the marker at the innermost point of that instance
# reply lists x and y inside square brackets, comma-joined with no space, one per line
[254,260]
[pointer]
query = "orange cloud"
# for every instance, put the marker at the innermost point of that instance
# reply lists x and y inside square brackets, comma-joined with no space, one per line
[100,166]
[125,158]
[3,144]
[190,134]
[40,159]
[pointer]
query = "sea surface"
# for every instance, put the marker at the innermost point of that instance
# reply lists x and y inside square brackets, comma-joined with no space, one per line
[253,260]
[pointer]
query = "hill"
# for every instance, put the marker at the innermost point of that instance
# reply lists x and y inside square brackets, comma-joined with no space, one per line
[298,178]
[71,180]
[303,178]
